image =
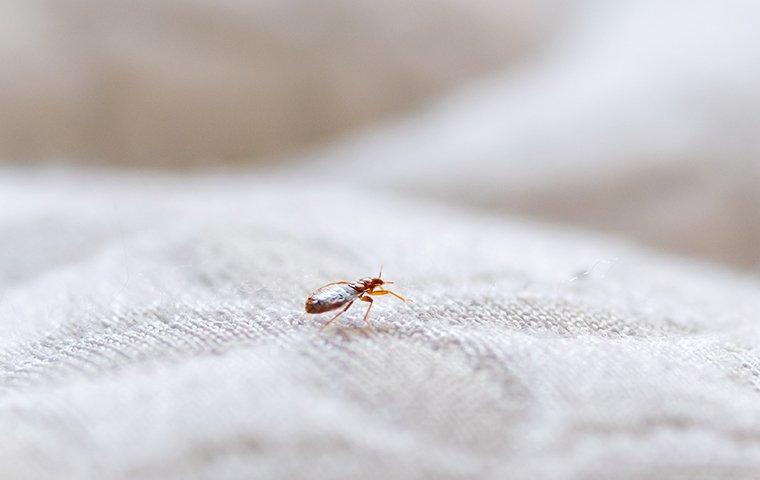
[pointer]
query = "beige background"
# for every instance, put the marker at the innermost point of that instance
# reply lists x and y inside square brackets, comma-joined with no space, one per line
[634,118]
[175,84]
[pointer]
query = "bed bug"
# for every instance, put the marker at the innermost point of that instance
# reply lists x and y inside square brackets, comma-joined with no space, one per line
[343,294]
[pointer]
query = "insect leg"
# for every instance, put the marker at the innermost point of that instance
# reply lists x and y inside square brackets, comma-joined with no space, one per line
[366,298]
[387,292]
[338,315]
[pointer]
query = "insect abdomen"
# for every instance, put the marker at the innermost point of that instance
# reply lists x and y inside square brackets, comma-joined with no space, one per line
[330,297]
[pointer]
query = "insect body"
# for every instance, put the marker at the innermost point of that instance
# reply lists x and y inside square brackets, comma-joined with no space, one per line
[343,294]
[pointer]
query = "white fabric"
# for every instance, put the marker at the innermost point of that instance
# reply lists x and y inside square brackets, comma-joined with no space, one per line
[152,325]
[164,337]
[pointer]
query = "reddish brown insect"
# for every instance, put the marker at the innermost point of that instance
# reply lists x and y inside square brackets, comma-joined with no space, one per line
[337,294]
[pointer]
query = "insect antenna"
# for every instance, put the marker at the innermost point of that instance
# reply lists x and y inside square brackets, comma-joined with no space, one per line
[380,275]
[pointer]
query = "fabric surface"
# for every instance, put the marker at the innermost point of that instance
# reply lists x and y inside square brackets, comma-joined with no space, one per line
[164,337]
[152,324]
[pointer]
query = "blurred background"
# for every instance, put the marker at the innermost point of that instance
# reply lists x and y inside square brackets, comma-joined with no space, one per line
[164,83]
[635,118]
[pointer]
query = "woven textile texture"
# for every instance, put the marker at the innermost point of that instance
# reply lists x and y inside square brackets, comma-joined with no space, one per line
[164,337]
[152,324]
